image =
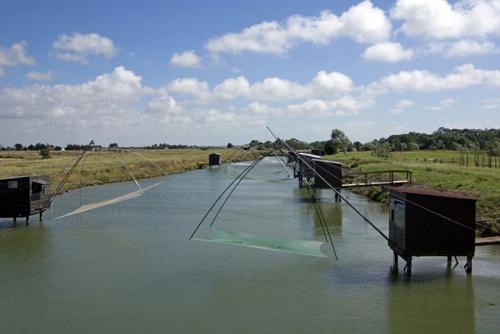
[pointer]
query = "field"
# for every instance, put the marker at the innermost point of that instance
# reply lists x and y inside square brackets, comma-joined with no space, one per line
[439,170]
[107,167]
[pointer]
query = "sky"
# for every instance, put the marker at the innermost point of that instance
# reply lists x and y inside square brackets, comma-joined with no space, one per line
[213,72]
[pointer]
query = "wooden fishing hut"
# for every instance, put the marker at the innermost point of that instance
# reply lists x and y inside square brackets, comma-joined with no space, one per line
[431,223]
[23,196]
[292,157]
[214,159]
[331,172]
[305,164]
[318,151]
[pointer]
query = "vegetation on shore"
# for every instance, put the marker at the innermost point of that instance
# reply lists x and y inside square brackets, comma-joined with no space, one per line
[107,167]
[440,170]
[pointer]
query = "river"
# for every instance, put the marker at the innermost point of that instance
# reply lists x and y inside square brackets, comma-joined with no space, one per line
[130,268]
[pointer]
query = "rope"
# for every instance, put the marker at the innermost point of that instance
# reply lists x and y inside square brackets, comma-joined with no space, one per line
[333,188]
[130,173]
[252,166]
[217,200]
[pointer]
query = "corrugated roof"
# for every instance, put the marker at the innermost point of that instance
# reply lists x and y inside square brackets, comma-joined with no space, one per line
[429,192]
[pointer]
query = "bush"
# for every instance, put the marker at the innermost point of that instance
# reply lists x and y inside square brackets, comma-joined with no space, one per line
[45,153]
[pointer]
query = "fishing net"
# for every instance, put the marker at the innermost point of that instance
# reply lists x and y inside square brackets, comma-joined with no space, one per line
[301,247]
[100,204]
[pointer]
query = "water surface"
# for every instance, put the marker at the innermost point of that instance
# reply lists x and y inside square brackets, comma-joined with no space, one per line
[129,268]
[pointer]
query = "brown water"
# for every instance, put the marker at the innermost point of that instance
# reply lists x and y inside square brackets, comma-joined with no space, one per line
[129,268]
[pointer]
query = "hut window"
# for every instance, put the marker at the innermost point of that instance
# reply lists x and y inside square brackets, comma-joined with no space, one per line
[36,187]
[12,185]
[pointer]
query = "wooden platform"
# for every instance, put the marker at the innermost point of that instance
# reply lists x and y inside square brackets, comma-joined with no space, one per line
[376,183]
[487,241]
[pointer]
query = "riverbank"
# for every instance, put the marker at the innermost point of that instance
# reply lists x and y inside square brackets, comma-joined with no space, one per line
[107,167]
[438,170]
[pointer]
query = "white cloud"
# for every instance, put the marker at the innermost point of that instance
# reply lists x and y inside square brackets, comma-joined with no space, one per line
[438,19]
[344,106]
[443,105]
[461,48]
[261,108]
[362,23]
[401,105]
[106,98]
[190,86]
[419,80]
[232,88]
[15,55]
[40,76]
[387,52]
[490,104]
[277,89]
[333,82]
[78,47]
[185,59]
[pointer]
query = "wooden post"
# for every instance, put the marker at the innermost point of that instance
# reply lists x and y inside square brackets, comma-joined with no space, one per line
[15,220]
[395,268]
[468,265]
[41,218]
[27,220]
[408,266]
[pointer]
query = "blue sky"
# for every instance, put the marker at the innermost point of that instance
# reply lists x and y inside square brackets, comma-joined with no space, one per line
[200,72]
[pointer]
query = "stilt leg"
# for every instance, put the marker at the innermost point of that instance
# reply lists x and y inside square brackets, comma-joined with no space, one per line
[27,220]
[15,221]
[468,265]
[395,268]
[41,217]
[408,266]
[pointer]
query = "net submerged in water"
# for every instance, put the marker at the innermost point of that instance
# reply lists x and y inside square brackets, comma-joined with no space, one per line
[301,247]
[100,204]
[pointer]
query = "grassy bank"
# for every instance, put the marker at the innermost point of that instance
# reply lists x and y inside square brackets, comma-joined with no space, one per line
[107,167]
[438,170]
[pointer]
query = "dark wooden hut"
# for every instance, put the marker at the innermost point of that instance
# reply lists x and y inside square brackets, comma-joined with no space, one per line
[23,196]
[292,157]
[318,151]
[431,223]
[214,159]
[331,172]
[306,166]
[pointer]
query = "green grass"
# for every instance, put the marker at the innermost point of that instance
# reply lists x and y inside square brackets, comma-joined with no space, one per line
[438,170]
[106,167]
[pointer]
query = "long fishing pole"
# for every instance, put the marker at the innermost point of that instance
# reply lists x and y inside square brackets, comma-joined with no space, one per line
[215,202]
[319,213]
[331,187]
[252,166]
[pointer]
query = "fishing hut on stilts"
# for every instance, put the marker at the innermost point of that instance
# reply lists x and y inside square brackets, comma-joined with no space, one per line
[214,160]
[24,196]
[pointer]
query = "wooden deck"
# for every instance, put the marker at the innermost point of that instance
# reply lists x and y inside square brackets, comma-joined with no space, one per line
[375,183]
[487,241]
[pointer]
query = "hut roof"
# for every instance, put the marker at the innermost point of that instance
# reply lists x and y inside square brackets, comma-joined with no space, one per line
[428,192]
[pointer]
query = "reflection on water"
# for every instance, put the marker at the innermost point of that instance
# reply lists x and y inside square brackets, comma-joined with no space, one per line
[129,268]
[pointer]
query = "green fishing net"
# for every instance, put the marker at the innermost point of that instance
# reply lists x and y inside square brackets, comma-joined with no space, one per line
[302,247]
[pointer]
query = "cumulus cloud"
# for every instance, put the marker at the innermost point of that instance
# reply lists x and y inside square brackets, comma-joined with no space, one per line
[185,59]
[363,23]
[401,105]
[387,52]
[40,76]
[333,82]
[16,55]
[461,48]
[190,87]
[443,105]
[108,96]
[79,47]
[232,88]
[438,19]
[420,80]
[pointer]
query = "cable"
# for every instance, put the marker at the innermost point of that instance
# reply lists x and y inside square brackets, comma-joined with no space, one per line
[216,201]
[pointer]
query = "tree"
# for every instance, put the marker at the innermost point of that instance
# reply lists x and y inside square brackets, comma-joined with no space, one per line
[329,148]
[113,145]
[340,140]
[18,147]
[229,145]
[45,153]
